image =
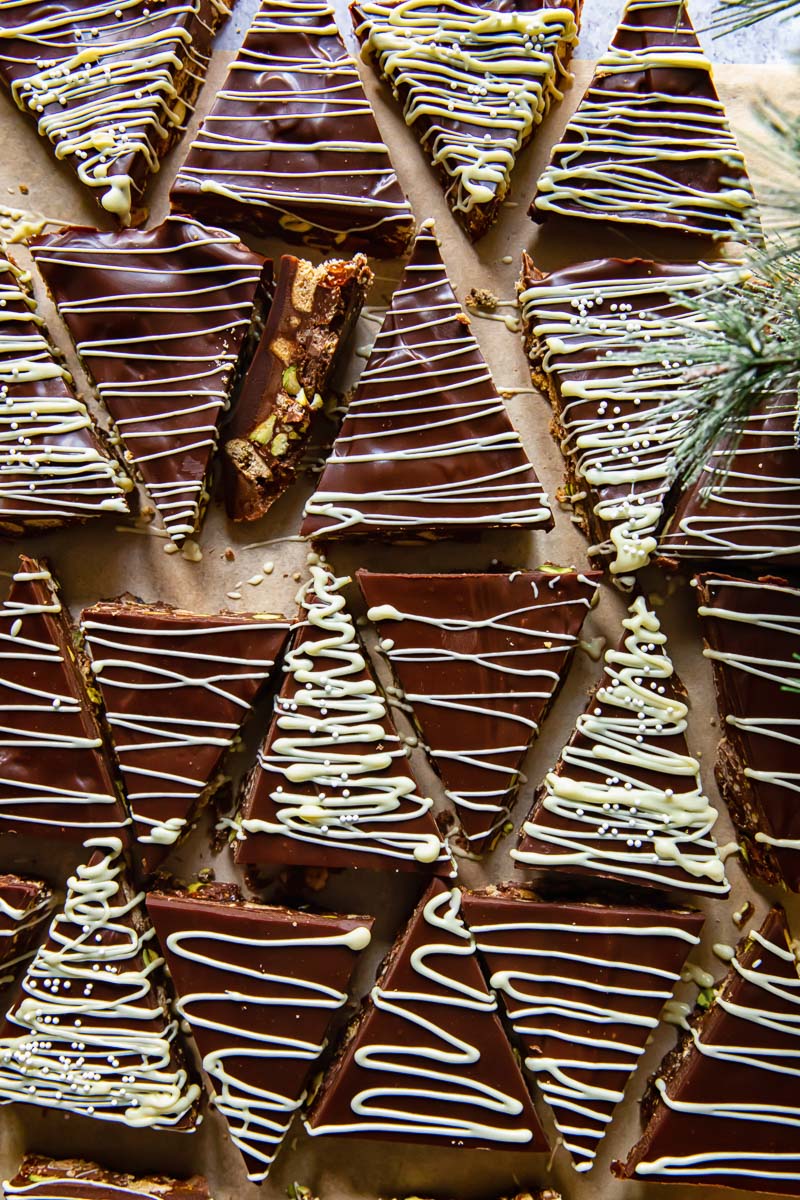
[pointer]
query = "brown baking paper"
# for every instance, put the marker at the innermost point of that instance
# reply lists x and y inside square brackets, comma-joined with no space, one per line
[102,560]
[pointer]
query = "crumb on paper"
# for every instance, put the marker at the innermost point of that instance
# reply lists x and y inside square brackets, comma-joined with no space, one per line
[171,548]
[255,580]
[507,258]
[190,550]
[268,568]
[234,595]
[297,576]
[481,298]
[24,189]
[228,554]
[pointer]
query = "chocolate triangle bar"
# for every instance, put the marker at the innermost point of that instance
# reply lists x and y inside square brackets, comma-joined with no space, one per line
[332,786]
[159,318]
[588,329]
[474,81]
[41,1178]
[724,1108]
[745,505]
[650,143]
[625,801]
[109,85]
[259,988]
[25,906]
[54,779]
[583,985]
[177,688]
[479,659]
[54,470]
[290,146]
[312,315]
[427,1059]
[427,447]
[752,634]
[87,1033]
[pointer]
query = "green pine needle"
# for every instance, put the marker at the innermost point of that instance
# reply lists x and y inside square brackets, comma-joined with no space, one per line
[734,15]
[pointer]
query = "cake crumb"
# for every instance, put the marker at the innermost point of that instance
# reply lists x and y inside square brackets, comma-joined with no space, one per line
[255,580]
[268,568]
[234,595]
[228,554]
[481,298]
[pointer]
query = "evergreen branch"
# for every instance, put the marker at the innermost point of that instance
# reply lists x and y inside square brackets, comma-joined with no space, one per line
[734,15]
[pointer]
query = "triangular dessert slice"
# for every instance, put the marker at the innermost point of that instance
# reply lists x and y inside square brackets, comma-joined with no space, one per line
[290,146]
[475,80]
[109,84]
[312,315]
[40,1178]
[259,988]
[427,447]
[88,1033]
[588,329]
[177,688]
[724,1108]
[583,985]
[650,143]
[625,801]
[752,633]
[332,786]
[54,779]
[54,470]
[25,906]
[745,504]
[479,659]
[427,1060]
[160,319]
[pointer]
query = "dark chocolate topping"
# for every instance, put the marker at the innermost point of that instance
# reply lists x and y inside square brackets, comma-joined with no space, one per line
[176,687]
[579,328]
[160,318]
[752,634]
[54,469]
[259,988]
[724,1108]
[54,780]
[625,800]
[745,507]
[332,786]
[630,152]
[479,658]
[427,446]
[74,1179]
[428,1060]
[474,80]
[109,84]
[290,146]
[583,986]
[25,906]
[313,312]
[88,1033]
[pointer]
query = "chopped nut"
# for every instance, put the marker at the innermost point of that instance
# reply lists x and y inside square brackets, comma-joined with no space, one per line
[263,432]
[289,381]
[280,444]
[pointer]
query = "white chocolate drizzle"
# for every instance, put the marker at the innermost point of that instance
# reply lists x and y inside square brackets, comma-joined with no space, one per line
[159,318]
[745,507]
[476,80]
[332,766]
[170,762]
[590,994]
[427,443]
[52,772]
[662,155]
[748,1048]
[588,332]
[53,469]
[433,1062]
[757,647]
[102,85]
[88,1034]
[255,153]
[516,656]
[238,1014]
[607,809]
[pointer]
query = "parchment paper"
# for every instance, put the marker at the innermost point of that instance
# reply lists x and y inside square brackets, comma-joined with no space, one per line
[99,561]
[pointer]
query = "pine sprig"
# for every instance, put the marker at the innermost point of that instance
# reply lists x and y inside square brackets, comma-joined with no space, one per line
[734,15]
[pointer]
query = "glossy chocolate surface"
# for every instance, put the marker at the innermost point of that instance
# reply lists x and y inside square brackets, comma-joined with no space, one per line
[583,986]
[159,318]
[54,778]
[290,146]
[176,688]
[479,658]
[25,906]
[427,446]
[428,1059]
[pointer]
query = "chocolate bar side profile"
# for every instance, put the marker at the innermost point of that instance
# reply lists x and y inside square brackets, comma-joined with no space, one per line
[25,907]
[42,1178]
